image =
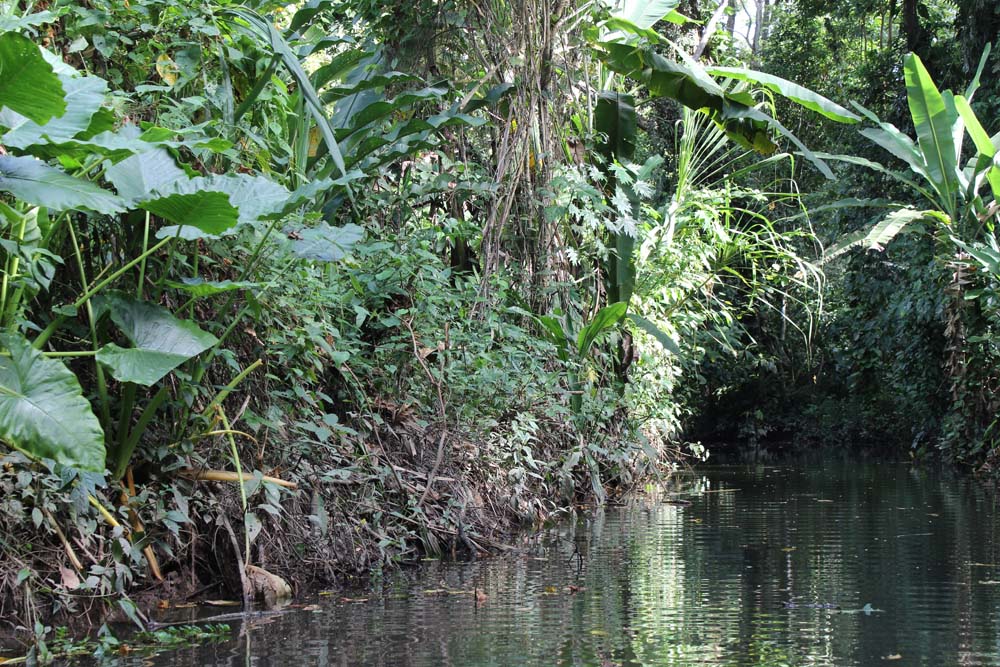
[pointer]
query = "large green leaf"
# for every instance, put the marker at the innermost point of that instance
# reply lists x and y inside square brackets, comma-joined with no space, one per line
[197,214]
[646,13]
[981,140]
[11,22]
[43,411]
[664,78]
[553,330]
[934,123]
[974,84]
[138,176]
[796,93]
[307,192]
[210,205]
[876,237]
[256,197]
[875,166]
[491,98]
[28,84]
[161,341]
[656,332]
[753,114]
[615,119]
[988,257]
[307,11]
[900,145]
[37,183]
[84,96]
[605,319]
[687,82]
[324,243]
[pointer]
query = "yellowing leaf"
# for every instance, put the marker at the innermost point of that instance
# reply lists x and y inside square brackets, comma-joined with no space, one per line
[167,69]
[314,139]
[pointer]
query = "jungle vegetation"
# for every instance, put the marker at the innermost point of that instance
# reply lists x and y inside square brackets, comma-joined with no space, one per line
[310,289]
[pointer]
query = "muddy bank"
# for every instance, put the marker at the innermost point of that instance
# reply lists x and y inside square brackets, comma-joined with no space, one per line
[401,492]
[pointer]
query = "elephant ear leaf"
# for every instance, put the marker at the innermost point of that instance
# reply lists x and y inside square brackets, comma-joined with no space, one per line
[324,243]
[161,341]
[37,183]
[28,85]
[43,411]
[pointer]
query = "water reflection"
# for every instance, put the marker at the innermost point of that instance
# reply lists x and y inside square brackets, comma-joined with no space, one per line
[741,576]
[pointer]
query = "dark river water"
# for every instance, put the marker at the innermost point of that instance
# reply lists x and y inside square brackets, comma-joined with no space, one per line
[743,575]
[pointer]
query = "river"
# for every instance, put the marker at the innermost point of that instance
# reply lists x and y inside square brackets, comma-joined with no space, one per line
[843,563]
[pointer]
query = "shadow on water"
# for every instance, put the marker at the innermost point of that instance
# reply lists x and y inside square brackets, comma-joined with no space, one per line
[840,563]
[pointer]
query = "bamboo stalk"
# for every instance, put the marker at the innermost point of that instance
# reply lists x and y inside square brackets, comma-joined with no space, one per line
[70,553]
[227,476]
[154,563]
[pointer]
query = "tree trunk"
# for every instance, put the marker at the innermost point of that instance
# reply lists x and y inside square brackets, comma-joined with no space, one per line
[912,28]
[758,27]
[710,29]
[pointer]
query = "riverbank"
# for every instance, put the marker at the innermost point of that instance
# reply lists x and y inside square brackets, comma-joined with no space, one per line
[718,569]
[82,552]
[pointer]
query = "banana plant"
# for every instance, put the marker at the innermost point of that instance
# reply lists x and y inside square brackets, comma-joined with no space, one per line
[960,210]
[627,45]
[961,197]
[634,51]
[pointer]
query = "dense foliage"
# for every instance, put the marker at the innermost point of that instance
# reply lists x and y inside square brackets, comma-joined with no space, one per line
[902,360]
[292,287]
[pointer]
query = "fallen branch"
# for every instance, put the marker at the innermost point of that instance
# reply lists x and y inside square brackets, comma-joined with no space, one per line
[70,553]
[227,476]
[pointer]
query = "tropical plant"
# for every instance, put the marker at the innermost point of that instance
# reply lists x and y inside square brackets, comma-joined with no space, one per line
[44,411]
[962,215]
